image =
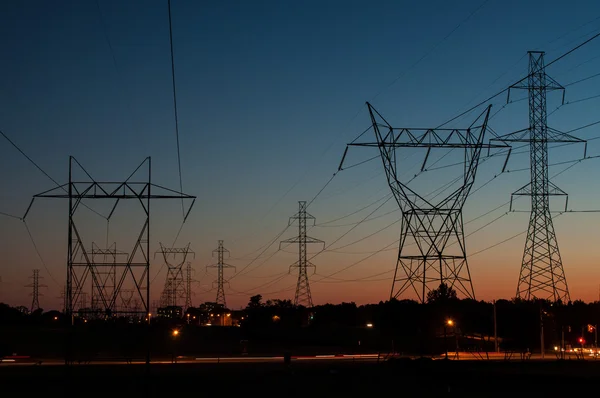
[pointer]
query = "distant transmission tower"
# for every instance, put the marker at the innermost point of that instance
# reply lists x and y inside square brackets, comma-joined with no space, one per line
[188,285]
[63,298]
[303,295]
[35,285]
[220,266]
[542,275]
[432,243]
[174,291]
[103,267]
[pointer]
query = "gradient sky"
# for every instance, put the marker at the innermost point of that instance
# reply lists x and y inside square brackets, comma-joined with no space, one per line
[269,93]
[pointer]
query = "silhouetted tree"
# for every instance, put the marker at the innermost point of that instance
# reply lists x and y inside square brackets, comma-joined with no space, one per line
[442,293]
[255,302]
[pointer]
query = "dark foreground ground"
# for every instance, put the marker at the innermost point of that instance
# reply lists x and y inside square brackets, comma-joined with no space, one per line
[309,379]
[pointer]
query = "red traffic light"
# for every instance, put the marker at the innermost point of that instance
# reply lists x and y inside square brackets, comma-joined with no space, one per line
[581,340]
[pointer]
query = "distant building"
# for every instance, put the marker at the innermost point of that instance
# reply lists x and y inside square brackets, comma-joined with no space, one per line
[173,312]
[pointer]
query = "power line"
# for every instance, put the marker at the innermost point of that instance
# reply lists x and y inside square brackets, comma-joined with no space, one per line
[175,107]
[507,88]
[39,254]
[412,66]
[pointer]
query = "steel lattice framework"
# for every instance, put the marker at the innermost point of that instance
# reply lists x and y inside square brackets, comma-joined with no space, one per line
[432,244]
[132,272]
[303,295]
[174,291]
[35,286]
[188,285]
[542,274]
[220,266]
[104,274]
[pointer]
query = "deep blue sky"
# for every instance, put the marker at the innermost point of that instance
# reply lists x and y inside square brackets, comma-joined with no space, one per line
[269,92]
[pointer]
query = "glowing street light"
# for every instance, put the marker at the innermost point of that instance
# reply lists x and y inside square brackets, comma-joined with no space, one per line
[449,322]
[175,333]
[369,325]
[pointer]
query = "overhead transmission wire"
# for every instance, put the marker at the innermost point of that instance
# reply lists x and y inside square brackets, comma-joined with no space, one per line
[412,67]
[483,102]
[176,116]
[470,234]
[439,43]
[389,196]
[474,107]
[22,219]
[508,88]
[175,107]
[379,93]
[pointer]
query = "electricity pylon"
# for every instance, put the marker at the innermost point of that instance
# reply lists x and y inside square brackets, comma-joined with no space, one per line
[220,266]
[303,295]
[432,243]
[188,285]
[174,285]
[542,274]
[35,285]
[133,273]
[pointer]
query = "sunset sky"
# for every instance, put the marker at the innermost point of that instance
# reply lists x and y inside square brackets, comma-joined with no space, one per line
[269,93]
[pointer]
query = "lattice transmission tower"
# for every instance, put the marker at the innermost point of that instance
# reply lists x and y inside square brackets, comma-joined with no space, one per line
[542,274]
[35,285]
[432,247]
[174,291]
[188,285]
[303,295]
[220,266]
[133,272]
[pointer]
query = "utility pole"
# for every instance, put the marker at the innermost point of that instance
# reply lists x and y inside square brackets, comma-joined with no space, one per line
[541,330]
[220,266]
[542,275]
[35,285]
[188,285]
[63,298]
[496,346]
[303,295]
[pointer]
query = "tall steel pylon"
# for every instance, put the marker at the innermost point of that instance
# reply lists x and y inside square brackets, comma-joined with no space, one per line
[220,266]
[175,290]
[432,247]
[134,272]
[35,285]
[542,274]
[303,295]
[188,285]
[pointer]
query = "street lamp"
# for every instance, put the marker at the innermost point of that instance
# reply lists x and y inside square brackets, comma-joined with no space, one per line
[175,333]
[449,322]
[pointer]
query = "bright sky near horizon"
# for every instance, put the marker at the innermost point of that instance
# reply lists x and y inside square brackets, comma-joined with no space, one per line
[268,95]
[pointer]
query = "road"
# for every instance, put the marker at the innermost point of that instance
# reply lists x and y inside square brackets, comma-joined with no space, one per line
[192,360]
[373,357]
